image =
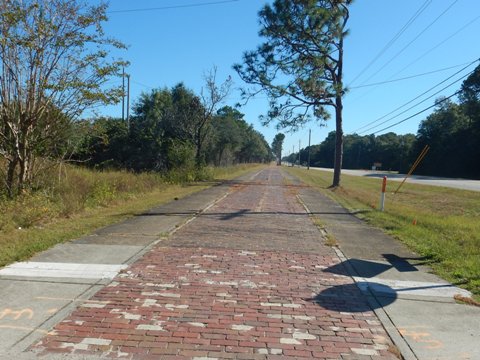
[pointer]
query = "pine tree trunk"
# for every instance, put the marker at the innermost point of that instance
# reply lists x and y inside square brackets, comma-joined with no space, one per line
[337,168]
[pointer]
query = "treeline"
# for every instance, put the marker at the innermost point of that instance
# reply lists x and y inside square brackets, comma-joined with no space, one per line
[452,131]
[168,130]
[361,152]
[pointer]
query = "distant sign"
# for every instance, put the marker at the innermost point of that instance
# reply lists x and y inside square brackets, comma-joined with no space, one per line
[376,165]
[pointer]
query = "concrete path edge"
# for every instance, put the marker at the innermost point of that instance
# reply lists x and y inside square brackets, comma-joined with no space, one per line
[176,228]
[392,331]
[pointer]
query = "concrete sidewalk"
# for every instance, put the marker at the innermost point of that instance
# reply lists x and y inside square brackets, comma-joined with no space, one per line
[416,307]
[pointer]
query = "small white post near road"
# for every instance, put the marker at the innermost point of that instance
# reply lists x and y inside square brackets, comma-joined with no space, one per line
[382,198]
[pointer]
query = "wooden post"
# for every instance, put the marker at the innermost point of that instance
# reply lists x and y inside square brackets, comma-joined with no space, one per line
[384,189]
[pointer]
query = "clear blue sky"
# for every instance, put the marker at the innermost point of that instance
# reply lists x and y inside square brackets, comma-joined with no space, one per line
[167,46]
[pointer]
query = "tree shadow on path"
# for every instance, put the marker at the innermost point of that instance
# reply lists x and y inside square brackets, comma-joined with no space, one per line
[351,297]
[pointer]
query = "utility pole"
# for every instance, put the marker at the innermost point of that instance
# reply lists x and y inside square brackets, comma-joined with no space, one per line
[309,138]
[123,93]
[128,100]
[293,156]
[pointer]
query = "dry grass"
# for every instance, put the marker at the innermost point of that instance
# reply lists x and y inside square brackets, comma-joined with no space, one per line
[80,201]
[395,351]
[20,244]
[330,240]
[465,300]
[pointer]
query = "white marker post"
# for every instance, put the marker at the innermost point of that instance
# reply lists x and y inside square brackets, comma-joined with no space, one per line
[382,198]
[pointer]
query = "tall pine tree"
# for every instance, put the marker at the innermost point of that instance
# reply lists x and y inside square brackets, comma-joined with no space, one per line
[300,65]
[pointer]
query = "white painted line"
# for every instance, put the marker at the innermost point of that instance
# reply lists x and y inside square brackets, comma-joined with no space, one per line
[62,270]
[388,286]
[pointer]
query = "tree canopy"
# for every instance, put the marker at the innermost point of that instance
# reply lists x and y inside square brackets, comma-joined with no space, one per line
[162,136]
[452,131]
[54,64]
[277,146]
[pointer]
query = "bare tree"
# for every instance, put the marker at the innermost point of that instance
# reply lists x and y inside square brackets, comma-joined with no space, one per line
[212,96]
[53,65]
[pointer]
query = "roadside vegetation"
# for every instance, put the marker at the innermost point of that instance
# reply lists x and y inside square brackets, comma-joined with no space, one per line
[56,66]
[452,131]
[438,223]
[75,201]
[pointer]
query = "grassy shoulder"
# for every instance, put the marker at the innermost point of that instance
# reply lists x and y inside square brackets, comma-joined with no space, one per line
[85,200]
[436,222]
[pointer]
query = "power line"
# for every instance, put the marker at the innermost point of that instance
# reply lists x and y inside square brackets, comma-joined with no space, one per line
[415,98]
[411,42]
[406,77]
[172,7]
[395,38]
[144,85]
[425,54]
[438,45]
[413,106]
[418,113]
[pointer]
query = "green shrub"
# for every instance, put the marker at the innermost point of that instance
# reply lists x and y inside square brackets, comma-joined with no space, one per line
[28,209]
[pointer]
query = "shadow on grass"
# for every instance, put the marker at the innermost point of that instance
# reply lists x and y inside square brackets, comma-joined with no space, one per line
[213,182]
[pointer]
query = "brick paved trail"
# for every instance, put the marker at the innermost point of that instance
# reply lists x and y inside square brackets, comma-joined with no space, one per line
[244,280]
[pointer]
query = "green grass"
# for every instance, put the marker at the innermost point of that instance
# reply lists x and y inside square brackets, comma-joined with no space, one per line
[82,200]
[447,228]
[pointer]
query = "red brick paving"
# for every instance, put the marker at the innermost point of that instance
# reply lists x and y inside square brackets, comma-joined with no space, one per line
[246,280]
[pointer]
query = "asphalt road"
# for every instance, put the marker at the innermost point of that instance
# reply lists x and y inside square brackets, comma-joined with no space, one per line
[464,184]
